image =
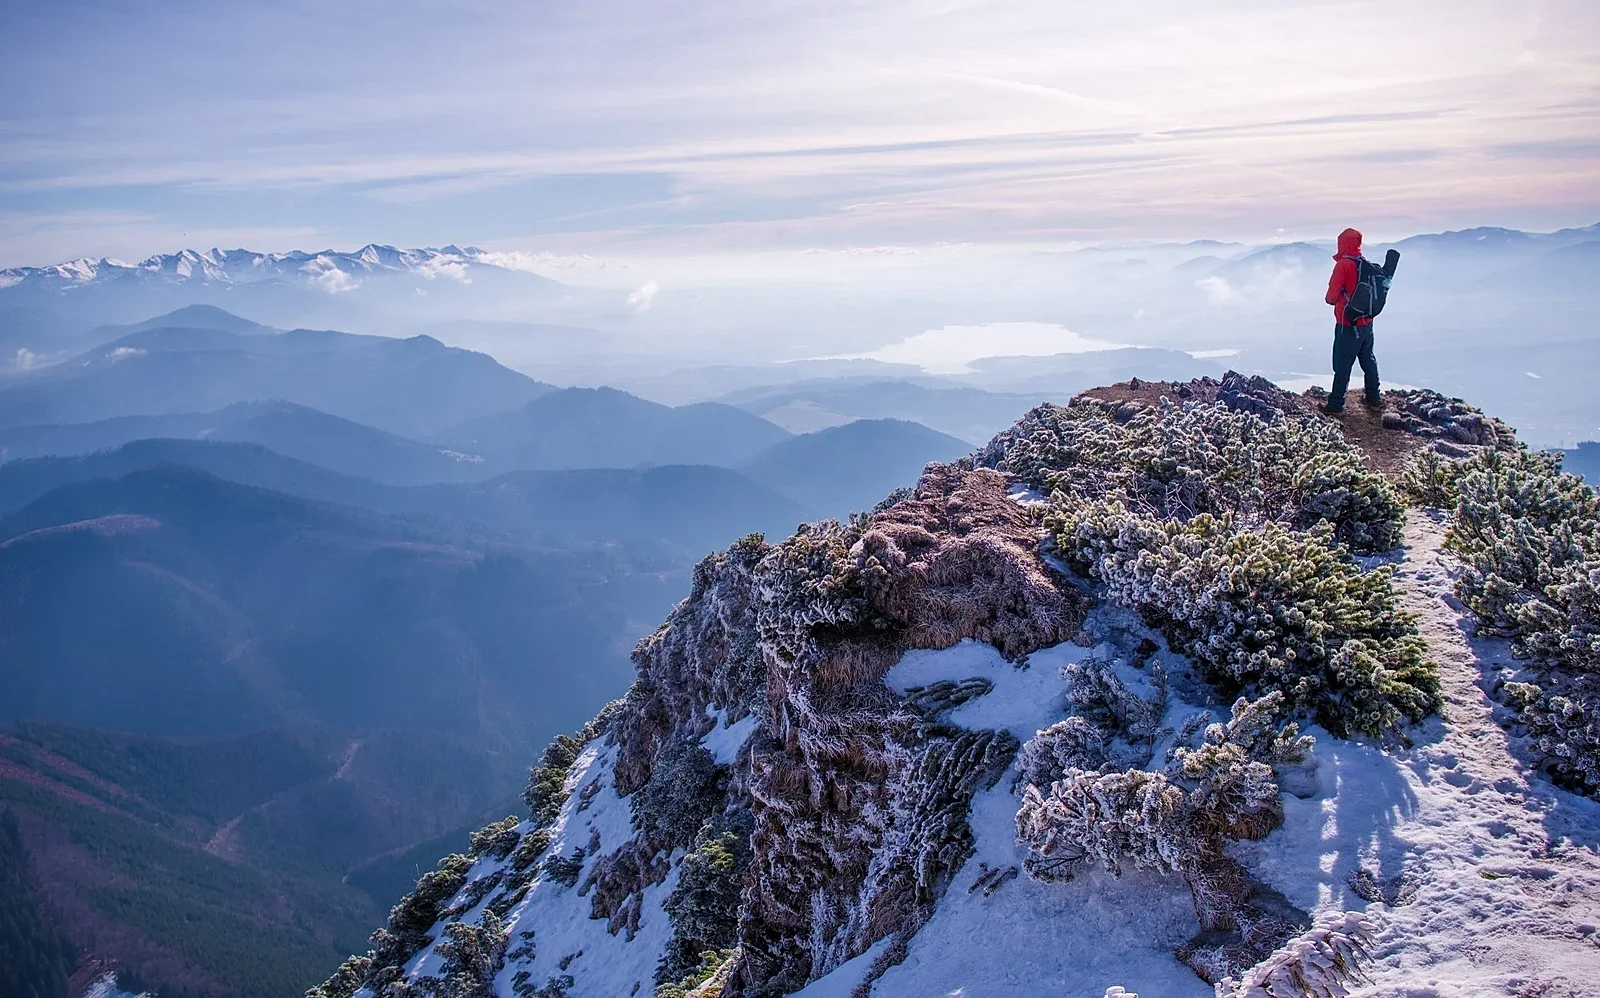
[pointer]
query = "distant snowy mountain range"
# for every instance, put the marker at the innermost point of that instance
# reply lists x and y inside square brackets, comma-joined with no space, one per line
[334,269]
[329,268]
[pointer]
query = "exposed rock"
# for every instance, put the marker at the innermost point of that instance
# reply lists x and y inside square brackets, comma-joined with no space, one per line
[802,633]
[1255,395]
[1446,421]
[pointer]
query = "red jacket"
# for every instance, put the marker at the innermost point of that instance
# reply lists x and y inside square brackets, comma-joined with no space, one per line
[1345,272]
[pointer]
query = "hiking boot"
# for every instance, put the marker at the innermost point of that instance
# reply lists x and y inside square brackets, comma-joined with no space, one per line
[1372,403]
[1329,410]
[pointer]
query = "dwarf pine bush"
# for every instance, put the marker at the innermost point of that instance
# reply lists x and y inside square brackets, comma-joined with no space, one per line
[704,907]
[1430,479]
[1062,747]
[1116,819]
[1262,610]
[685,787]
[345,981]
[406,931]
[1165,821]
[1529,537]
[1232,772]
[1520,526]
[1111,727]
[1181,461]
[546,790]
[473,955]
[496,840]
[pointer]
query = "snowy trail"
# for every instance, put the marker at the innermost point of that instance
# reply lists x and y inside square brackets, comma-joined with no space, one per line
[1503,865]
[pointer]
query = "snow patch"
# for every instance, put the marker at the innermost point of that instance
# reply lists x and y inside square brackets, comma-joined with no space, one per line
[846,977]
[725,740]
[1022,495]
[1025,699]
[105,986]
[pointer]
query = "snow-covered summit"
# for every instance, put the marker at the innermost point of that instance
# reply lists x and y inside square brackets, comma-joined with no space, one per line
[242,266]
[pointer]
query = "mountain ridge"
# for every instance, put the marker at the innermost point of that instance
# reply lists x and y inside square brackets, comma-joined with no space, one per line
[410,387]
[242,266]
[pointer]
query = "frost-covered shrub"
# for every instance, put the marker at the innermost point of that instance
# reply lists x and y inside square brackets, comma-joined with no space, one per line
[529,849]
[1111,727]
[1430,479]
[497,839]
[1169,821]
[1235,791]
[1562,624]
[684,789]
[1112,818]
[1183,460]
[546,790]
[1096,694]
[1063,746]
[406,931]
[473,955]
[1262,610]
[1529,537]
[414,915]
[704,907]
[564,870]
[345,981]
[1318,963]
[1519,525]
[1564,728]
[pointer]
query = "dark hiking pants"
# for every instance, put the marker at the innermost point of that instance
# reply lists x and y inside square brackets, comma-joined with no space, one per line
[1352,344]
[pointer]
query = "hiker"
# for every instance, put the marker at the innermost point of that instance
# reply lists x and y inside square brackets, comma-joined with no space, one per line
[1357,291]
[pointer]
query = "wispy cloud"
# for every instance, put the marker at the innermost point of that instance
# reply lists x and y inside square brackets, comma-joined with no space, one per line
[846,123]
[641,298]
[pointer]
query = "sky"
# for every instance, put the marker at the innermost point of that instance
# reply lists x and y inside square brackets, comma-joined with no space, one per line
[704,128]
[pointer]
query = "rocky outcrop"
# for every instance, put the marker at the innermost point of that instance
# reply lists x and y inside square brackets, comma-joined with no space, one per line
[858,799]
[1449,424]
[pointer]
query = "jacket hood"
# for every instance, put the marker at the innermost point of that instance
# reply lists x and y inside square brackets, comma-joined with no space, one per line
[1349,243]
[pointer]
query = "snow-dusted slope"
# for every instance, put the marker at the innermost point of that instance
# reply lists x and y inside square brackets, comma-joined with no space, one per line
[1024,937]
[1482,880]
